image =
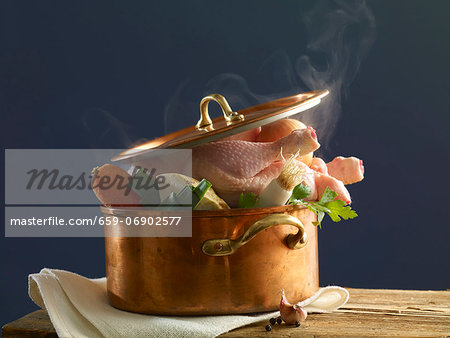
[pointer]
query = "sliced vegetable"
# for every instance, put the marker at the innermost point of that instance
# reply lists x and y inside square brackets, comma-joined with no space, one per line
[171,200]
[279,189]
[189,195]
[199,191]
[247,200]
[177,182]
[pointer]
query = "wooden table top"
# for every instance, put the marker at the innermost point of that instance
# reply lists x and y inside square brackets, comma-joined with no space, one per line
[369,313]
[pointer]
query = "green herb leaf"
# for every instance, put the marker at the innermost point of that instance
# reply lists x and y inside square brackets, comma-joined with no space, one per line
[327,204]
[320,215]
[299,192]
[338,210]
[317,206]
[248,200]
[328,196]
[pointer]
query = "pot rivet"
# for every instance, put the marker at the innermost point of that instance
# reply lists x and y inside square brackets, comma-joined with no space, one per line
[218,246]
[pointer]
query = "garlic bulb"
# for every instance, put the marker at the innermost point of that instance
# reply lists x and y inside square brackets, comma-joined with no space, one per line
[291,314]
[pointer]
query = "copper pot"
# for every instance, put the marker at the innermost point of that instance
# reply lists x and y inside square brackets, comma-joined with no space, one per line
[236,261]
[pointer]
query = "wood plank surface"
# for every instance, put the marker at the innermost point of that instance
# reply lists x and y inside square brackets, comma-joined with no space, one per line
[369,313]
[36,324]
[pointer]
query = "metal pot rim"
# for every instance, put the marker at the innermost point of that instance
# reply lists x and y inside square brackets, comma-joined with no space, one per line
[208,213]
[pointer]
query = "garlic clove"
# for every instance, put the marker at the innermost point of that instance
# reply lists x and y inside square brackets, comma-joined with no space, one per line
[291,314]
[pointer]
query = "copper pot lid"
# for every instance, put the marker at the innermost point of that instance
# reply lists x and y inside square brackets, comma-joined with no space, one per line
[207,130]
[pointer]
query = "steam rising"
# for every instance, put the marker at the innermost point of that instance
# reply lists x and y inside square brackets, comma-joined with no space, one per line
[106,131]
[101,125]
[340,33]
[344,36]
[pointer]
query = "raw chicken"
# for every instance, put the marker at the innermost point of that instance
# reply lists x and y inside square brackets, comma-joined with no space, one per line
[318,182]
[319,165]
[347,169]
[240,166]
[249,135]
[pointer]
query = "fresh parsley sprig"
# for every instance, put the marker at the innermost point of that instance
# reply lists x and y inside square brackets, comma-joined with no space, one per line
[327,204]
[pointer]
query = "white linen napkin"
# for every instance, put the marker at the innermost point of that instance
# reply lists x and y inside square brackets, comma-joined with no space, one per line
[78,307]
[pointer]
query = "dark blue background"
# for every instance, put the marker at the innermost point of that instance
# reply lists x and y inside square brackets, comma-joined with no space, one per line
[93,74]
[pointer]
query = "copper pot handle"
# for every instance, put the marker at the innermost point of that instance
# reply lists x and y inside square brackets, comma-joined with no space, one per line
[226,246]
[229,115]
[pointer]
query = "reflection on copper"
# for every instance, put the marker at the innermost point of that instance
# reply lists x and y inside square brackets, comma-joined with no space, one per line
[172,276]
[220,127]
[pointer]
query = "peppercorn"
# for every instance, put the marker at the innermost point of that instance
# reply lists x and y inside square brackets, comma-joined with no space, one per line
[297,323]
[279,320]
[273,321]
[268,327]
